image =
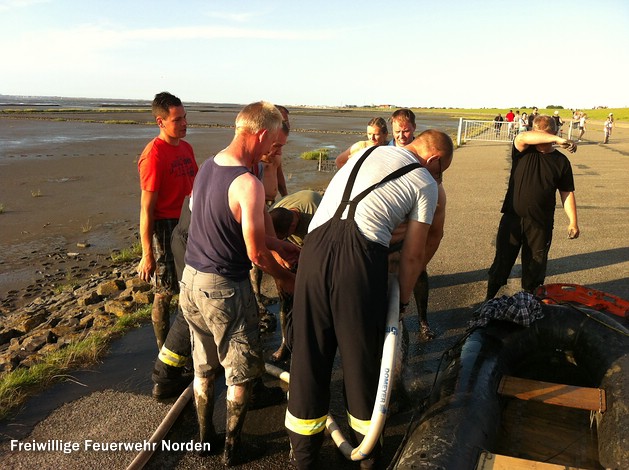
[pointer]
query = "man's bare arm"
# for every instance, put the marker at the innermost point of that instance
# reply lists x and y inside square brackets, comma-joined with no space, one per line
[342,158]
[146,267]
[435,233]
[570,207]
[412,257]
[246,199]
[526,139]
[281,181]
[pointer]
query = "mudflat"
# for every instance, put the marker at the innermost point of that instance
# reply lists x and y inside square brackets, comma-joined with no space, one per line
[70,189]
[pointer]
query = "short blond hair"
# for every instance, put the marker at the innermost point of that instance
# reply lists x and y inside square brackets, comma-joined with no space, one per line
[258,116]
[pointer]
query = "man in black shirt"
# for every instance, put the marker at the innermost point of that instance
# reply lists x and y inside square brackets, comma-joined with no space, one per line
[538,171]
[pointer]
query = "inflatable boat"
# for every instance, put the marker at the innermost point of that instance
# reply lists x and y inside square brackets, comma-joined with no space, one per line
[572,359]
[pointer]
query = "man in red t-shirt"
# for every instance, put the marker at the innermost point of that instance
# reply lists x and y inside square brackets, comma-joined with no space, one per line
[167,169]
[510,117]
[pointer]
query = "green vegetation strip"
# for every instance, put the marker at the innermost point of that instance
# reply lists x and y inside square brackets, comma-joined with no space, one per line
[127,255]
[315,154]
[16,386]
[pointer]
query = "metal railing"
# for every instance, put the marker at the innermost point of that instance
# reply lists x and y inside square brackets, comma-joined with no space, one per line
[325,165]
[493,131]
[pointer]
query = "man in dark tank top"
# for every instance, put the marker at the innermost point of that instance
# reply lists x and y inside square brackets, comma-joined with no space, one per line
[227,234]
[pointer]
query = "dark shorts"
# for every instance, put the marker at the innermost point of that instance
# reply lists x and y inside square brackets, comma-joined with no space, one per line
[165,278]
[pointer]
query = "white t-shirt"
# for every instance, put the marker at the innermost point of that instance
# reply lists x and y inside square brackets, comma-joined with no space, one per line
[412,196]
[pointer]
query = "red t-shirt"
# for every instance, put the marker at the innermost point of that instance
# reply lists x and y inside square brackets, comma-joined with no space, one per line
[510,116]
[168,170]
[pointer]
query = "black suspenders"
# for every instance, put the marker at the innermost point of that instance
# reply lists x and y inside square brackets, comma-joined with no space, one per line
[352,179]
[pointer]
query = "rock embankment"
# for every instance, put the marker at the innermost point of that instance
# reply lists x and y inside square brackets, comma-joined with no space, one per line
[54,319]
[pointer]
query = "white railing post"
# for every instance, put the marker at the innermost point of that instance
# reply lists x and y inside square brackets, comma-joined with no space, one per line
[458,134]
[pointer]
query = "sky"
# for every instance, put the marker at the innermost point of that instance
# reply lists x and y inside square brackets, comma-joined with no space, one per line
[447,53]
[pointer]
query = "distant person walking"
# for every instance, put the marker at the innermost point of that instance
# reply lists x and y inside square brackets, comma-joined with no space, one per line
[522,123]
[510,117]
[576,114]
[582,121]
[531,118]
[167,169]
[607,127]
[538,171]
[498,120]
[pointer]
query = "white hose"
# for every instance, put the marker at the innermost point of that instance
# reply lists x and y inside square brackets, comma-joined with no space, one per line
[385,384]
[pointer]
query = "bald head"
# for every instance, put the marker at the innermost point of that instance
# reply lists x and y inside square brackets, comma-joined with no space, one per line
[434,150]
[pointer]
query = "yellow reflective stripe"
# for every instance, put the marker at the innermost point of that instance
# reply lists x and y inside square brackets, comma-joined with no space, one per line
[171,358]
[305,427]
[359,425]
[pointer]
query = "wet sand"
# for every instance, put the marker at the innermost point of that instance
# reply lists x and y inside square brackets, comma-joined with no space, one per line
[73,181]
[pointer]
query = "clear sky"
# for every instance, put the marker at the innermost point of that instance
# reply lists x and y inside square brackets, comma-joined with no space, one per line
[453,53]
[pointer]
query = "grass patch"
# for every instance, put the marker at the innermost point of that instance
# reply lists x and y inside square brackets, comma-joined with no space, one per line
[70,284]
[16,386]
[86,227]
[316,154]
[120,121]
[1,208]
[127,254]
[36,193]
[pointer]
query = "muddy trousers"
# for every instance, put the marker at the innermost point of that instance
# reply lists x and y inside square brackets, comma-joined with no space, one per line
[176,352]
[514,233]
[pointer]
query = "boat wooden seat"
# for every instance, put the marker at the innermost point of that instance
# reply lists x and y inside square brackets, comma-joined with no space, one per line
[489,461]
[585,398]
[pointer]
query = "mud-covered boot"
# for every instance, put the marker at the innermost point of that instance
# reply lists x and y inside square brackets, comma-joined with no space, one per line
[204,402]
[160,316]
[235,453]
[286,311]
[263,396]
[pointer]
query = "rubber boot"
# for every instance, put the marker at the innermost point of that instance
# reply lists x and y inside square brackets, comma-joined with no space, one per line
[160,316]
[236,414]
[204,402]
[286,310]
[421,299]
[171,371]
[263,396]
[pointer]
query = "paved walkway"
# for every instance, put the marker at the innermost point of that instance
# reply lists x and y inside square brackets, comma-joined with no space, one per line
[476,184]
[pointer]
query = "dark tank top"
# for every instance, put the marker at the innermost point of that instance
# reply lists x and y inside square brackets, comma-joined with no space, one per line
[215,241]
